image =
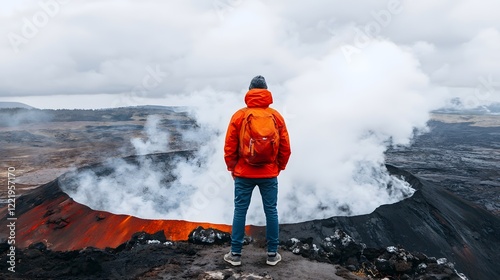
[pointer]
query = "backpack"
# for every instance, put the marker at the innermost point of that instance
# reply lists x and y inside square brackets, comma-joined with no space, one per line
[259,137]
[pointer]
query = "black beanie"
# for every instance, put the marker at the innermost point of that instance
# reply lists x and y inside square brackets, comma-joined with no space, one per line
[258,82]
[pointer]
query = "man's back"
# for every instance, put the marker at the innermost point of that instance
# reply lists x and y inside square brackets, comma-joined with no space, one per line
[255,98]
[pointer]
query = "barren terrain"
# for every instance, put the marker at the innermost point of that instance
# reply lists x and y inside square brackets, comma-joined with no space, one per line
[42,149]
[460,153]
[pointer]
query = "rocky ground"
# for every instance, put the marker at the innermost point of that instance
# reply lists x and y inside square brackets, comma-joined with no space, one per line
[146,257]
[180,260]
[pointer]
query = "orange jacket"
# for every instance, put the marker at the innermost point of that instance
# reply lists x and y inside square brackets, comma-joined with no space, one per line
[239,167]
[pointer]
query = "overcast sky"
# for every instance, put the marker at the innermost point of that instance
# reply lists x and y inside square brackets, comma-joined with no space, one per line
[103,53]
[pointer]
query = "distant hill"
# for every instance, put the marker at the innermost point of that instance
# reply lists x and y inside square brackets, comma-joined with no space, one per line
[14,105]
[456,107]
[160,107]
[15,116]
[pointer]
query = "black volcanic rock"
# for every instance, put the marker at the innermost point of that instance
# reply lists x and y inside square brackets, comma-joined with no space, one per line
[36,262]
[433,221]
[208,236]
[142,238]
[395,262]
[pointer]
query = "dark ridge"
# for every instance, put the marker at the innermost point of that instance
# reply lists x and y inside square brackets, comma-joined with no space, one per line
[433,221]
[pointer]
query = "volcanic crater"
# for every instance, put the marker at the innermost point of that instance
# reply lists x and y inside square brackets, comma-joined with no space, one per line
[426,222]
[434,221]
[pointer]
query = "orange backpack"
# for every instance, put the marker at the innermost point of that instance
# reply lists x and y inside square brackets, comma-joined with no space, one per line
[259,137]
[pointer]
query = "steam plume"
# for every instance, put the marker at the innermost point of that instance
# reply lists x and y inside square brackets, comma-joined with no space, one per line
[341,118]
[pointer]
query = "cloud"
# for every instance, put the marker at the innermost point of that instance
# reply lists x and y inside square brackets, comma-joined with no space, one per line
[98,47]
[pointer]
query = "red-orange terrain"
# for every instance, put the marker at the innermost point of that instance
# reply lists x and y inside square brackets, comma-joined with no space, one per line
[49,215]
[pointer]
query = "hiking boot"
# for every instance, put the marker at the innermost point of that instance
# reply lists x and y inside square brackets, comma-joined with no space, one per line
[273,258]
[234,259]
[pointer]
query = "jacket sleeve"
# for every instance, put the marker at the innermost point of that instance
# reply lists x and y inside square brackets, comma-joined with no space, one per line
[284,148]
[231,143]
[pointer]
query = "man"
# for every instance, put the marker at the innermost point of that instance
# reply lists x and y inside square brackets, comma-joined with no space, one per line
[247,175]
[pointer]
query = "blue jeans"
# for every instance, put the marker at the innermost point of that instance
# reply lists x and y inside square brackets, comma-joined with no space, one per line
[243,188]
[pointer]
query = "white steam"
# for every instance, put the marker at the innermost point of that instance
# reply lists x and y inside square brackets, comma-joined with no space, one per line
[156,141]
[132,189]
[341,118]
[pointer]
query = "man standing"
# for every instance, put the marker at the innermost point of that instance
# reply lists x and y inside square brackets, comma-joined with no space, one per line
[257,148]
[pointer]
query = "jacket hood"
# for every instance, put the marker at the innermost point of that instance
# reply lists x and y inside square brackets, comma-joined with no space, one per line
[258,97]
